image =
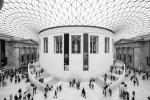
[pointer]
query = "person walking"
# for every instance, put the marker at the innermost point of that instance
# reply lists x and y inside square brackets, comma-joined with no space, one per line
[133,93]
[55,94]
[92,86]
[45,94]
[110,92]
[83,93]
[60,88]
[10,97]
[24,95]
[29,95]
[16,97]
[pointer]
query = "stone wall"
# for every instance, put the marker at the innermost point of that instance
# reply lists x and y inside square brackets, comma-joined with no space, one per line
[14,50]
[139,50]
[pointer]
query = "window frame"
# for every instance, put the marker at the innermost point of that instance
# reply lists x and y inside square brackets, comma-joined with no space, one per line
[94,38]
[107,44]
[78,50]
[45,43]
[60,44]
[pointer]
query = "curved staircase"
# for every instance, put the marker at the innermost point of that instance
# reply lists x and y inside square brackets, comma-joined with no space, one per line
[34,79]
[114,76]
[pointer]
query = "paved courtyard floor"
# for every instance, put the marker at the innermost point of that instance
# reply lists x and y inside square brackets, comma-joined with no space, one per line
[141,92]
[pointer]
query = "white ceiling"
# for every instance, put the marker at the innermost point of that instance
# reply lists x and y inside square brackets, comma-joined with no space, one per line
[25,18]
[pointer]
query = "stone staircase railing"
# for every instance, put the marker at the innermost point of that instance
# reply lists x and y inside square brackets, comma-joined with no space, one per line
[48,79]
[113,84]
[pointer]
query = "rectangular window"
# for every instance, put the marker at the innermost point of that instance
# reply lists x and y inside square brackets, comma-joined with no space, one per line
[58,44]
[106,44]
[93,44]
[45,44]
[76,43]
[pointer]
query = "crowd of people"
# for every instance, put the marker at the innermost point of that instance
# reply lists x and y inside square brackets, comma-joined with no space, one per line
[12,75]
[27,94]
[17,76]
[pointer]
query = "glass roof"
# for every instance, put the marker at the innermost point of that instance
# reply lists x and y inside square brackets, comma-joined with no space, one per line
[25,18]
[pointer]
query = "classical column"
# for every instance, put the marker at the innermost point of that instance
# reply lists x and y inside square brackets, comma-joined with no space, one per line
[20,56]
[30,54]
[122,54]
[133,57]
[34,54]
[127,56]
[116,49]
[0,54]
[119,49]
[25,54]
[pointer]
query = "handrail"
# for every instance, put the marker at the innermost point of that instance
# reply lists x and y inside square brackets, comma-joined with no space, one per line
[120,79]
[35,82]
[116,83]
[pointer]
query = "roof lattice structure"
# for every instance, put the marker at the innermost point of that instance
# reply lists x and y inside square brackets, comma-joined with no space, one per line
[25,18]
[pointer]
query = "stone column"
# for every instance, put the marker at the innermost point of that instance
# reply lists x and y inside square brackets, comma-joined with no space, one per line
[25,54]
[119,53]
[32,51]
[21,54]
[122,54]
[36,54]
[0,54]
[127,56]
[30,54]
[132,49]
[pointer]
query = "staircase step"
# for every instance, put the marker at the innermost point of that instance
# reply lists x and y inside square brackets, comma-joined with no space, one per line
[116,75]
[114,71]
[99,82]
[53,81]
[43,75]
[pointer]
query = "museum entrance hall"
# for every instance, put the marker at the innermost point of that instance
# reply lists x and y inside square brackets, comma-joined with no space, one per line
[74,50]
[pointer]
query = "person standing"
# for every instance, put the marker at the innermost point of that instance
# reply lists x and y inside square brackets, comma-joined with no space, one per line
[29,95]
[83,93]
[16,97]
[110,92]
[24,96]
[133,93]
[134,82]
[92,86]
[45,94]
[60,88]
[10,97]
[55,94]
[139,70]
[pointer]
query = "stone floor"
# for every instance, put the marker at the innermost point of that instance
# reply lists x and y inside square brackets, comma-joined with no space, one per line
[141,92]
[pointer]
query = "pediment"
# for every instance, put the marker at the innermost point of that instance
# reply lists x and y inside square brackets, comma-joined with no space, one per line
[123,41]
